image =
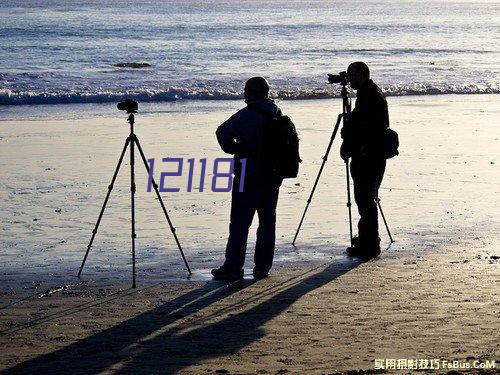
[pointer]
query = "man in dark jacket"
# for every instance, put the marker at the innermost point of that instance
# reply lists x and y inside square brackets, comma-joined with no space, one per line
[243,135]
[363,142]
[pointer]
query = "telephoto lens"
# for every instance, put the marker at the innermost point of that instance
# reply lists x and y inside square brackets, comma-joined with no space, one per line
[338,78]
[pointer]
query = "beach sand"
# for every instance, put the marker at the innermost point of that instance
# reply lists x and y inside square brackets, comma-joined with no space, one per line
[432,295]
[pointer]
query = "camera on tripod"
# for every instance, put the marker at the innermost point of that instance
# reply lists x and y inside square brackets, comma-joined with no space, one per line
[131,107]
[338,78]
[128,105]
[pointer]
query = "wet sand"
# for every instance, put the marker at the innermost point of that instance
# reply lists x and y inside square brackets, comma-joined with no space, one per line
[432,294]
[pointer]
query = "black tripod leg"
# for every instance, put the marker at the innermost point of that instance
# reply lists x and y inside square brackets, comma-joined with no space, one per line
[132,207]
[325,158]
[155,186]
[383,218]
[349,197]
[110,187]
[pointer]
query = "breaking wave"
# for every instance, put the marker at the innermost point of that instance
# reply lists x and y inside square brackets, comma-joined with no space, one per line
[14,97]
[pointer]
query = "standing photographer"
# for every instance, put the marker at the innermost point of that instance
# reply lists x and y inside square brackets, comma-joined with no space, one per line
[363,143]
[244,135]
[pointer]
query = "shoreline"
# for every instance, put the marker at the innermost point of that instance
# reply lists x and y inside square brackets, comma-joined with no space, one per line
[154,108]
[209,97]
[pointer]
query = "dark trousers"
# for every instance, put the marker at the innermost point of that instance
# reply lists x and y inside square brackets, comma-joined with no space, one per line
[367,176]
[260,198]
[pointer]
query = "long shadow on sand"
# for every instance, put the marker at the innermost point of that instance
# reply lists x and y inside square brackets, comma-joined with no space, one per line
[146,344]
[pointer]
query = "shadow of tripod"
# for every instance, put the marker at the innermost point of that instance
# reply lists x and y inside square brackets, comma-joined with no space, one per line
[131,107]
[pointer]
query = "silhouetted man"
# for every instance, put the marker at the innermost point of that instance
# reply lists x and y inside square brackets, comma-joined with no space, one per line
[363,142]
[243,135]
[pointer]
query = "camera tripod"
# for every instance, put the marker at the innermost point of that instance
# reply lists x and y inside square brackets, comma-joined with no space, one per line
[132,141]
[346,109]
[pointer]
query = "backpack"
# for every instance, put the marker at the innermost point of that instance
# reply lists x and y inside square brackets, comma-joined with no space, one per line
[281,147]
[391,143]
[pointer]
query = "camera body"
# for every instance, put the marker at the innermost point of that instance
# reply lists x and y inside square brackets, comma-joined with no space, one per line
[128,105]
[338,78]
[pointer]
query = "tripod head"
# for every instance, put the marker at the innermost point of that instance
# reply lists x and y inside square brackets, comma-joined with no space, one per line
[346,101]
[342,79]
[131,107]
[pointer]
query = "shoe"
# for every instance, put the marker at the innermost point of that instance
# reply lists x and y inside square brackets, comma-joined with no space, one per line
[356,242]
[363,253]
[260,273]
[222,273]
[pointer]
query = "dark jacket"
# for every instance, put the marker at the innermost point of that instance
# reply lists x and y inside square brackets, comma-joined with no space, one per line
[243,135]
[364,130]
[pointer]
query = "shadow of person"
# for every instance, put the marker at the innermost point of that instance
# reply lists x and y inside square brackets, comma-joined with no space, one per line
[150,342]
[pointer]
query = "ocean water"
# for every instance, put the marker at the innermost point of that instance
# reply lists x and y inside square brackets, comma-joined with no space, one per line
[66,51]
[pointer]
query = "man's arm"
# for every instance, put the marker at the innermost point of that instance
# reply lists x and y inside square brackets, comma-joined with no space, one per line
[370,115]
[228,137]
[366,123]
